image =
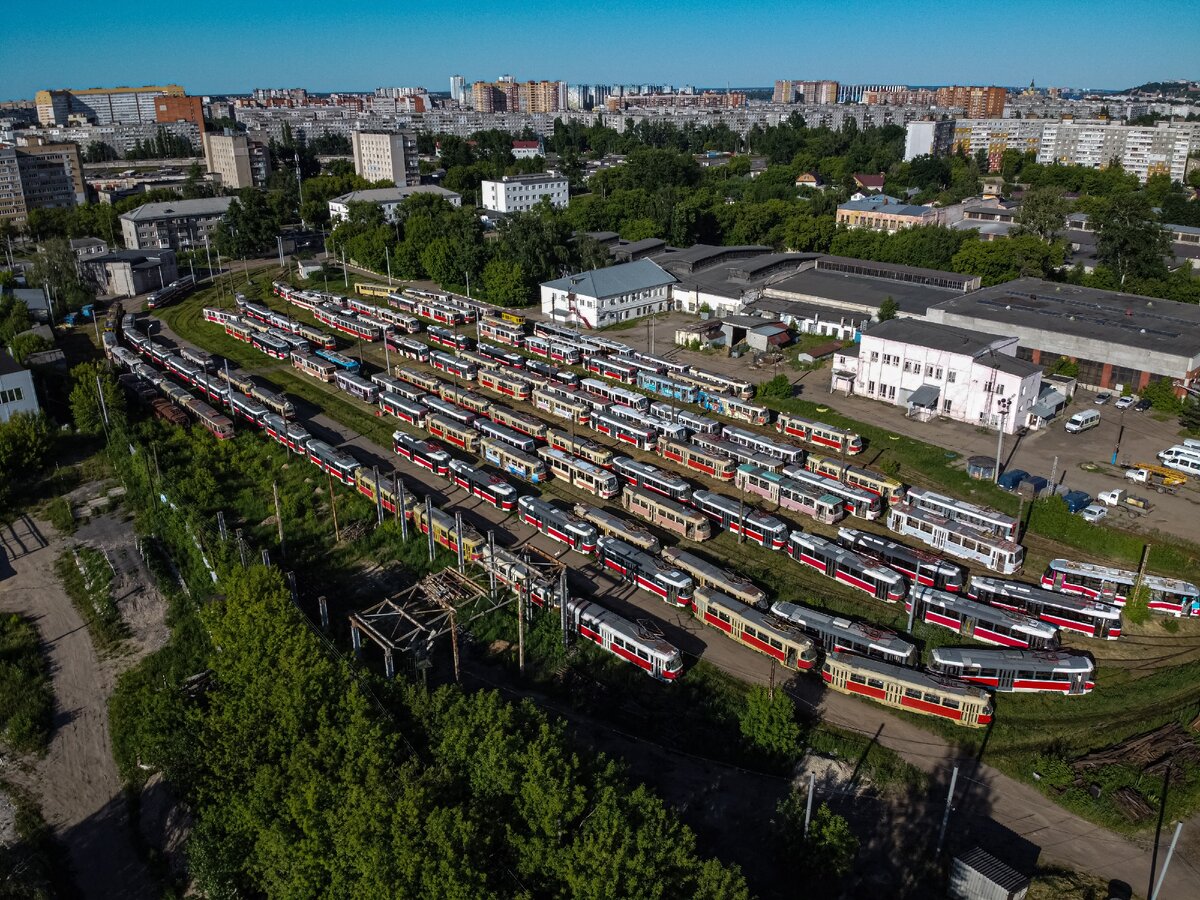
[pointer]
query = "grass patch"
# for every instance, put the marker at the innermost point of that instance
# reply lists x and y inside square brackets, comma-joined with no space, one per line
[26,696]
[59,514]
[87,578]
[1063,884]
[34,865]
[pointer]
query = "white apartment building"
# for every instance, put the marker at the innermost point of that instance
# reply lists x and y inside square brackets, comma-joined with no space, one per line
[177,224]
[940,371]
[387,199]
[521,193]
[607,296]
[386,156]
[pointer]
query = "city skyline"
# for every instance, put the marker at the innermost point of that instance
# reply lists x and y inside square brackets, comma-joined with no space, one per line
[1065,44]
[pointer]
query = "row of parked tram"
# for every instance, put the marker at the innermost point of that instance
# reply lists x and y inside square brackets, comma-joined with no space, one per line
[617,560]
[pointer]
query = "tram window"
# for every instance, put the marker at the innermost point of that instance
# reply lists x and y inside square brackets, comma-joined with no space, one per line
[778,645]
[857,679]
[876,683]
[932,698]
[912,693]
[950,704]
[642,653]
[987,673]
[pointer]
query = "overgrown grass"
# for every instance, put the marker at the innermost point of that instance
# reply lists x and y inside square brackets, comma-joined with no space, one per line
[87,578]
[34,866]
[26,695]
[59,514]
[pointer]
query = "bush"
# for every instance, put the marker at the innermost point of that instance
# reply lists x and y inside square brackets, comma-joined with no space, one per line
[87,578]
[26,698]
[778,388]
[769,724]
[58,511]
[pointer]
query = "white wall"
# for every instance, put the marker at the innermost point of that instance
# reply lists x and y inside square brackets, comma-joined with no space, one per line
[17,394]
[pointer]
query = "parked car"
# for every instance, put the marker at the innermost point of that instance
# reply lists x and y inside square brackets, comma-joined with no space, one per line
[1125,402]
[1101,399]
[1011,479]
[1076,500]
[1094,513]
[1143,405]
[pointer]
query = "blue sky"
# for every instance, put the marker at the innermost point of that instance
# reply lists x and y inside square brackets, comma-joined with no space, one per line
[223,46]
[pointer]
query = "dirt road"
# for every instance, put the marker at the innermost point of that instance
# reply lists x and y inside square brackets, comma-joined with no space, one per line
[76,782]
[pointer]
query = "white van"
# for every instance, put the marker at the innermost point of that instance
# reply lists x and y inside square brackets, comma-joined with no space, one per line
[1082,421]
[1192,444]
[1184,459]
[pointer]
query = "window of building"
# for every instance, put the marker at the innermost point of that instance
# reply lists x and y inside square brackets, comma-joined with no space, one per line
[908,367]
[12,395]
[871,387]
[951,376]
[946,406]
[874,356]
[999,388]
[892,392]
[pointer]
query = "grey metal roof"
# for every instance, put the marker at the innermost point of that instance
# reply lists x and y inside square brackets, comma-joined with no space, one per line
[639,275]
[994,870]
[930,334]
[926,396]
[1025,305]
[1013,365]
[890,205]
[858,292]
[173,209]
[8,365]
[392,194]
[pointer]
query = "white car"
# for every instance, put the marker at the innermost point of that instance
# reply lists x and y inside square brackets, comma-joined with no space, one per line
[1125,402]
[1094,513]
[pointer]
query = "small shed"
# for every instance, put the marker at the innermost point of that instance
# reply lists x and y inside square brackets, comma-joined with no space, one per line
[981,468]
[977,875]
[707,333]
[36,301]
[765,337]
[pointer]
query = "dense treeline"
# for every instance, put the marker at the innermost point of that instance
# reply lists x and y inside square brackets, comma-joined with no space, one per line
[304,783]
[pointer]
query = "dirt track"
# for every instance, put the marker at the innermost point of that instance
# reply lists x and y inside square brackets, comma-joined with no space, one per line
[76,782]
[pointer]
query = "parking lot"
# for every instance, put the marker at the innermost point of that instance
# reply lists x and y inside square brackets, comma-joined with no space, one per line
[1048,452]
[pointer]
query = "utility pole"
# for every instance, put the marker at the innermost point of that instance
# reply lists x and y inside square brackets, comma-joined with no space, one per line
[1167,862]
[453,638]
[458,544]
[387,254]
[278,518]
[1162,809]
[771,689]
[429,524]
[1003,404]
[345,271]
[491,565]
[401,504]
[103,406]
[337,535]
[946,814]
[563,618]
[812,784]
[522,596]
[378,495]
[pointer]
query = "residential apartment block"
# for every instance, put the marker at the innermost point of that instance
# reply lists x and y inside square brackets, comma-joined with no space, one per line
[521,193]
[936,370]
[177,224]
[1160,149]
[507,95]
[39,176]
[386,156]
[788,91]
[235,160]
[102,106]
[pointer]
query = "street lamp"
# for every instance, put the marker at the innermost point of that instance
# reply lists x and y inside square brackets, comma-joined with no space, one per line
[1003,406]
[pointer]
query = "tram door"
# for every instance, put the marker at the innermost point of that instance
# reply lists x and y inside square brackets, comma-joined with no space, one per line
[791,661]
[966,627]
[1078,683]
[1058,579]
[1005,678]
[1108,591]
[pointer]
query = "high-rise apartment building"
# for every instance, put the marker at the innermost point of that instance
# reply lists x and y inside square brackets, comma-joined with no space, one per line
[103,106]
[819,92]
[386,156]
[507,95]
[236,161]
[39,175]
[979,102]
[168,108]
[457,89]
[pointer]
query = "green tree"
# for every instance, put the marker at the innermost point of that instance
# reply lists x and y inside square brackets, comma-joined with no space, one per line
[25,344]
[832,846]
[1003,260]
[1130,241]
[25,444]
[91,382]
[778,388]
[504,283]
[888,309]
[1066,367]
[1189,416]
[54,267]
[14,318]
[1161,394]
[769,724]
[248,227]
[1043,213]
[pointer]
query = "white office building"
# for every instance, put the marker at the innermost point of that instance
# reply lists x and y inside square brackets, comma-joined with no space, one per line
[521,193]
[387,199]
[607,296]
[940,371]
[386,156]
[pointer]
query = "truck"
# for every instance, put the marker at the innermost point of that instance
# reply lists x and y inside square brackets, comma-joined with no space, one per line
[1075,500]
[1118,498]
[1162,479]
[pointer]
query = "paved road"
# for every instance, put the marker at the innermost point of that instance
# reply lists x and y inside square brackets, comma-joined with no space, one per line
[984,792]
[76,782]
